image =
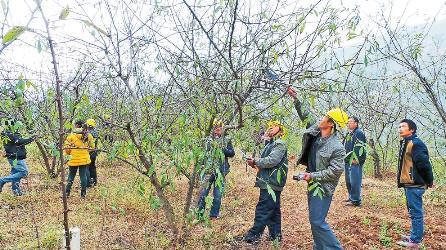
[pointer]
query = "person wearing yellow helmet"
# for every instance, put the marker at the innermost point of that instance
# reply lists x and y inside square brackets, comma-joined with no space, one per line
[90,123]
[217,123]
[218,149]
[323,155]
[77,145]
[92,176]
[272,170]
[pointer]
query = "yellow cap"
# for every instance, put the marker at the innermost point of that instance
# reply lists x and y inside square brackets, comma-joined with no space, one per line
[218,123]
[338,116]
[279,124]
[91,123]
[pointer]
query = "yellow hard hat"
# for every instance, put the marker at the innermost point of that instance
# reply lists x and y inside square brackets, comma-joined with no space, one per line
[338,116]
[91,123]
[272,123]
[218,123]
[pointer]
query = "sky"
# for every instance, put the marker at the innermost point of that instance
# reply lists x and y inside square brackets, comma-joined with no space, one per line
[413,12]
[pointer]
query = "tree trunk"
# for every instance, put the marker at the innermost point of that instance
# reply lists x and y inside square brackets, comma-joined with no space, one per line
[376,160]
[61,126]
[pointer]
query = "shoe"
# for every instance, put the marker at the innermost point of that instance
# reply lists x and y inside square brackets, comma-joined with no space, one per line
[277,238]
[17,193]
[246,238]
[409,244]
[405,237]
[350,204]
[213,217]
[83,193]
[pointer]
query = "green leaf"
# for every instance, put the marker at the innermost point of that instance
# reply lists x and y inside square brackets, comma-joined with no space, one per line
[332,27]
[320,194]
[348,137]
[39,46]
[271,192]
[64,13]
[351,35]
[312,186]
[29,84]
[68,125]
[159,103]
[301,27]
[361,151]
[13,34]
[88,23]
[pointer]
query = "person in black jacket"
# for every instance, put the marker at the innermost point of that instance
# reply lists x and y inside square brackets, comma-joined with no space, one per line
[354,144]
[15,152]
[415,176]
[218,150]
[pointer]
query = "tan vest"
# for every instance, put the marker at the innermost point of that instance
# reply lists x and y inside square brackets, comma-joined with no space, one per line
[406,176]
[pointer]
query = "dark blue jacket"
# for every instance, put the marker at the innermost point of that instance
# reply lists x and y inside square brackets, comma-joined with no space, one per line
[228,151]
[414,166]
[14,145]
[352,143]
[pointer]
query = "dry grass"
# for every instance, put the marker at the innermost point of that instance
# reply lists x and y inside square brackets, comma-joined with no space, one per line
[116,216]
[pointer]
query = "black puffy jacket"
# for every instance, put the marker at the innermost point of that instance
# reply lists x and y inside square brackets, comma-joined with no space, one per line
[14,145]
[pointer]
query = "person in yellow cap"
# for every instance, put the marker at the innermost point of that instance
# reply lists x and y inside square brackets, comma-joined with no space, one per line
[323,154]
[77,145]
[218,149]
[272,170]
[92,176]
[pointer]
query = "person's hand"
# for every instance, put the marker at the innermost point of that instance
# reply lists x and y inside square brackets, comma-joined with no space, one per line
[251,162]
[292,92]
[266,137]
[306,176]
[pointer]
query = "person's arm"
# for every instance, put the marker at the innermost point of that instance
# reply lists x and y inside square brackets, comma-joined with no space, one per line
[334,170]
[359,141]
[91,144]
[420,157]
[274,158]
[19,141]
[229,150]
[67,145]
[303,113]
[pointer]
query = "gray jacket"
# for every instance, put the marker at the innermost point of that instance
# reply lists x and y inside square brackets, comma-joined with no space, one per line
[329,156]
[273,166]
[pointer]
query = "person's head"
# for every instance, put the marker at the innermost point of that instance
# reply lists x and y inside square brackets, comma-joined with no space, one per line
[217,128]
[327,123]
[407,128]
[353,123]
[9,123]
[91,123]
[334,119]
[275,128]
[79,124]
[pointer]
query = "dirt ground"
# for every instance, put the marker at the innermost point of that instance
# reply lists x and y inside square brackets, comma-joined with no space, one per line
[121,214]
